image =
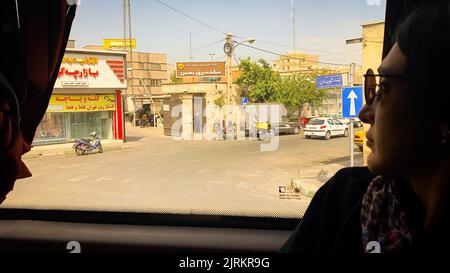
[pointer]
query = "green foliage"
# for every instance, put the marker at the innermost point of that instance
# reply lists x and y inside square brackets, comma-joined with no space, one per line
[297,91]
[257,81]
[221,100]
[174,78]
[260,83]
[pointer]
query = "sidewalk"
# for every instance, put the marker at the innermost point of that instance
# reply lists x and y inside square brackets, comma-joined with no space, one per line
[134,132]
[66,149]
[309,180]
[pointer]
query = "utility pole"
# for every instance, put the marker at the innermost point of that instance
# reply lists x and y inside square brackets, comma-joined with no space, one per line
[351,84]
[229,48]
[212,56]
[190,46]
[293,27]
[127,45]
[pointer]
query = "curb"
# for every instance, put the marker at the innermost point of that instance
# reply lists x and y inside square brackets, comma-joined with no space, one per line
[306,187]
[69,151]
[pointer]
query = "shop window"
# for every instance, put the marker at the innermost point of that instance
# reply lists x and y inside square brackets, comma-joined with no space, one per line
[52,128]
[84,123]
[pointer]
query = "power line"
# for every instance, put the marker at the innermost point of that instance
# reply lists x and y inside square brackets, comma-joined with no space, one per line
[190,17]
[235,57]
[197,48]
[291,57]
[307,49]
[344,53]
[237,36]
[196,51]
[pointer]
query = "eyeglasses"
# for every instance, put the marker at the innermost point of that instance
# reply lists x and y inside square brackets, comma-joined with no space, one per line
[372,81]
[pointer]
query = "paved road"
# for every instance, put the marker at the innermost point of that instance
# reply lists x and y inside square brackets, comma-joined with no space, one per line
[163,175]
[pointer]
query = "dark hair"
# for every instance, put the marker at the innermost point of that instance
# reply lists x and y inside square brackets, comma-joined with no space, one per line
[424,37]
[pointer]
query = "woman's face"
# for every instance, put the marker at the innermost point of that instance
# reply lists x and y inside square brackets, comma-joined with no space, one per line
[400,135]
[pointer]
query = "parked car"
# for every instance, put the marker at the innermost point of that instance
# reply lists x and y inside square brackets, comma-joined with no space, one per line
[287,127]
[326,128]
[356,122]
[359,139]
[305,120]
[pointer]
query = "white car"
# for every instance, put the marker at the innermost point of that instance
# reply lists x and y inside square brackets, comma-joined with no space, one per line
[326,128]
[356,122]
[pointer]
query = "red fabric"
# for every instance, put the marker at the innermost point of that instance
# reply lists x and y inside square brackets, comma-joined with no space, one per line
[29,61]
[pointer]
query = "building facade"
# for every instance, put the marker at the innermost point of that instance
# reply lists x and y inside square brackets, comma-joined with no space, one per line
[201,105]
[295,62]
[372,54]
[151,70]
[87,97]
[304,63]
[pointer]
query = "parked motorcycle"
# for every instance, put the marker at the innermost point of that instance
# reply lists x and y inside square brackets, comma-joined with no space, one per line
[86,146]
[264,134]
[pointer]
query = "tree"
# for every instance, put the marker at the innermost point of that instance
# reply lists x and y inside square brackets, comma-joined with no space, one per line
[298,90]
[260,83]
[257,81]
[221,100]
[174,78]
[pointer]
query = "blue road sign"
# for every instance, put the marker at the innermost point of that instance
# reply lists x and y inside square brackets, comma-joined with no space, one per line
[329,81]
[352,101]
[244,101]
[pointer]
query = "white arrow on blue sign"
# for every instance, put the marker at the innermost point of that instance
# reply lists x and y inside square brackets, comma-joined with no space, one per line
[352,101]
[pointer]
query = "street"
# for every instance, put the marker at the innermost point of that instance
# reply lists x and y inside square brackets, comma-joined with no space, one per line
[159,174]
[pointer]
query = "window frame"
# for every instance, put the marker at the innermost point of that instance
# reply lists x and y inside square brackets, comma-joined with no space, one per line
[394,10]
[150,219]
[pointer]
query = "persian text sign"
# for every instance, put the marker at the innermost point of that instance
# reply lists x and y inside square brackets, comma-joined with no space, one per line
[200,69]
[91,70]
[329,81]
[82,103]
[119,43]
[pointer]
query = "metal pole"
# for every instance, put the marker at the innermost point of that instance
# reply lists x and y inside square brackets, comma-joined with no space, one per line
[212,57]
[229,75]
[352,150]
[293,27]
[190,46]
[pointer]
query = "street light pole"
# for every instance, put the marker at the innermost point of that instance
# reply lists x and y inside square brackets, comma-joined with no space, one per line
[352,152]
[212,56]
[229,47]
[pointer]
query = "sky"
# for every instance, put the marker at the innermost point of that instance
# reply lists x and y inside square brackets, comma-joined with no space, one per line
[321,26]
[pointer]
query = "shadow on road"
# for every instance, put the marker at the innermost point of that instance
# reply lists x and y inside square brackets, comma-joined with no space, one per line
[345,160]
[322,139]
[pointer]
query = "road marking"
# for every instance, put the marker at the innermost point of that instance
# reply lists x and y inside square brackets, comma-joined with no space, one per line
[104,178]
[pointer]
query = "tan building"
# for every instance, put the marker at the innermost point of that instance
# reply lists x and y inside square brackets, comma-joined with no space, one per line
[152,68]
[198,102]
[372,55]
[295,62]
[304,63]
[372,44]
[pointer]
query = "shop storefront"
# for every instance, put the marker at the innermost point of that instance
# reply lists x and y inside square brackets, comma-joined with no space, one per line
[87,98]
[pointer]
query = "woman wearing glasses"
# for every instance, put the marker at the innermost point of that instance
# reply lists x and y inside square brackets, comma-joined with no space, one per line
[400,203]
